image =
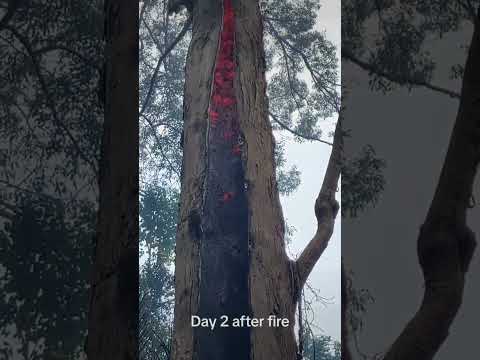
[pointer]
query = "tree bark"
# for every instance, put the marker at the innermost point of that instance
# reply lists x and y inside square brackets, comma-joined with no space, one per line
[113,314]
[346,354]
[445,243]
[326,209]
[230,247]
[198,80]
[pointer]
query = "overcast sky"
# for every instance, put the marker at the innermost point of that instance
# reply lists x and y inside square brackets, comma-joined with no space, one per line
[311,159]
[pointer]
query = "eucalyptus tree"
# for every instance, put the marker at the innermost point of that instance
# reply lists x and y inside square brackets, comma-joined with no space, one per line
[302,89]
[233,181]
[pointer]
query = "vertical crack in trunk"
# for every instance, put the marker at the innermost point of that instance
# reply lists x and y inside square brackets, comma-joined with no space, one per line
[224,262]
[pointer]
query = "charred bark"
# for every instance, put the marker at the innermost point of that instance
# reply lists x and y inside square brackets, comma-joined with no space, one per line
[224,217]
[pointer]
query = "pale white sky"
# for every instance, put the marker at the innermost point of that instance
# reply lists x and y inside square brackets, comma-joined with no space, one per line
[311,159]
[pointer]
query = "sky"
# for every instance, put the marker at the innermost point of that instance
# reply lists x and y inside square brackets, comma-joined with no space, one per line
[311,159]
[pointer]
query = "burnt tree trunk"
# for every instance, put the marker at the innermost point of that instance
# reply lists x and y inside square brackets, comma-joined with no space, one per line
[230,250]
[113,313]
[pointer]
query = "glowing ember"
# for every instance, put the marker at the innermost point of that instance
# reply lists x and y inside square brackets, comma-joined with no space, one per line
[222,113]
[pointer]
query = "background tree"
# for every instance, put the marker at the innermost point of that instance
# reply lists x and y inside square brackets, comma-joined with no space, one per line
[114,309]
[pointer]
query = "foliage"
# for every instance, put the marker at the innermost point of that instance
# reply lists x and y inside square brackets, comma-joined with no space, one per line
[50,116]
[45,277]
[362,181]
[398,52]
[158,218]
[392,41]
[321,348]
[161,116]
[287,180]
[303,86]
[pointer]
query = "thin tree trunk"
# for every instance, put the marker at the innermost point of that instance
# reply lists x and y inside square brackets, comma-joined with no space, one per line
[113,316]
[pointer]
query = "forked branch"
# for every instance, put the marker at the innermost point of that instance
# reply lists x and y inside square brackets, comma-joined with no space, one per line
[326,209]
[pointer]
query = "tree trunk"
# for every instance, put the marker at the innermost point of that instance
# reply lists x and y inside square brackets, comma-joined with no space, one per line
[345,349]
[113,315]
[230,250]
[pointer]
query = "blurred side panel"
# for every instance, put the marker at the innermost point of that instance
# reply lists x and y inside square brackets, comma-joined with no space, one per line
[411,113]
[50,128]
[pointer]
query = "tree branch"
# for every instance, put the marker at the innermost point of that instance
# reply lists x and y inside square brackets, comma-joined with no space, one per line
[372,69]
[150,33]
[326,209]
[159,143]
[43,84]
[296,133]
[328,92]
[292,87]
[167,51]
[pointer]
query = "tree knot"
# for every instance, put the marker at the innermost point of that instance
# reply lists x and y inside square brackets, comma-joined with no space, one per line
[195,224]
[445,250]
[326,207]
